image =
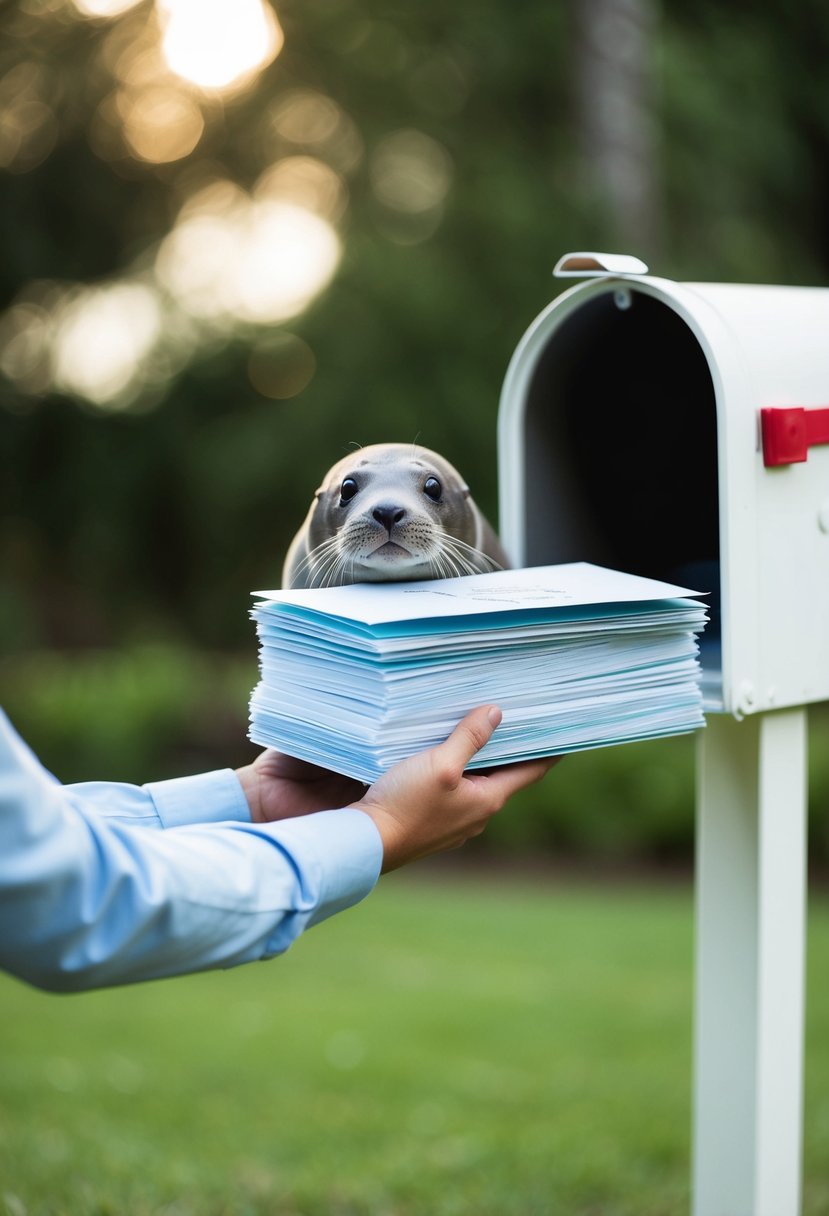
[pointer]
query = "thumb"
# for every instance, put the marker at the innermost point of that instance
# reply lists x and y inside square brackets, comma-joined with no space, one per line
[471,734]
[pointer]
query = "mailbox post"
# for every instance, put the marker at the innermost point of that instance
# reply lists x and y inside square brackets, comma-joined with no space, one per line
[681,431]
[750,950]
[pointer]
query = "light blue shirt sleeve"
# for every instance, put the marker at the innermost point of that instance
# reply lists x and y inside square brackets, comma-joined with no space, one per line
[206,798]
[90,898]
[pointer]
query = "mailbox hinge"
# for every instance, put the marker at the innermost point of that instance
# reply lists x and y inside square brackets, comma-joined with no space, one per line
[789,431]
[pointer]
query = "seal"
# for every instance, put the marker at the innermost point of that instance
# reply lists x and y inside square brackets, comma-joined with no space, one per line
[391,512]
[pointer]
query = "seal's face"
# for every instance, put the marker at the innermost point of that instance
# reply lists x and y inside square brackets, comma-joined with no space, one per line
[389,512]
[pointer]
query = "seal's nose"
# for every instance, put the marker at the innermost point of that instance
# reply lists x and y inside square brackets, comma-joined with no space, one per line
[388,516]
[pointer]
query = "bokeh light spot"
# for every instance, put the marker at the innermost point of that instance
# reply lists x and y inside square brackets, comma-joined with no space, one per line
[410,172]
[282,368]
[256,261]
[306,181]
[161,124]
[28,126]
[219,44]
[102,336]
[438,84]
[104,8]
[305,116]
[25,334]
[288,255]
[194,259]
[309,119]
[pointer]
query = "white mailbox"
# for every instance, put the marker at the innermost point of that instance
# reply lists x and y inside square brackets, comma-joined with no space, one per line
[681,431]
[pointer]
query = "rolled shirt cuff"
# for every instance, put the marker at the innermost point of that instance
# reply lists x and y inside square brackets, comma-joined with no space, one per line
[340,854]
[215,797]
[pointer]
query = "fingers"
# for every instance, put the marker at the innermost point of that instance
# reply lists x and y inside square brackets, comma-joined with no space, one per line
[471,734]
[426,804]
[506,781]
[289,767]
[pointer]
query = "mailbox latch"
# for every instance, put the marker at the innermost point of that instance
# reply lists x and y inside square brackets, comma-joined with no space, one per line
[790,430]
[597,265]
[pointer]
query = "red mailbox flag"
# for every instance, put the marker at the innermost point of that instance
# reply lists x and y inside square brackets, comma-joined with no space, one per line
[789,432]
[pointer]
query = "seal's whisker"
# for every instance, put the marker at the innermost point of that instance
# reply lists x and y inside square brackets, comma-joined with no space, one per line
[457,564]
[321,560]
[461,562]
[446,562]
[320,563]
[312,559]
[463,545]
[334,571]
[458,553]
[443,565]
[437,565]
[470,553]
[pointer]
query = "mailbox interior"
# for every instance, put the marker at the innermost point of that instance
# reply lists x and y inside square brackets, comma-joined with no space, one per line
[621,450]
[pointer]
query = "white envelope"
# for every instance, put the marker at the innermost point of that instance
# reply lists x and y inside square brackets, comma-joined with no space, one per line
[577,656]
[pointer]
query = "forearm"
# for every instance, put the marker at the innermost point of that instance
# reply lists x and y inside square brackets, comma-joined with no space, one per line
[86,902]
[115,905]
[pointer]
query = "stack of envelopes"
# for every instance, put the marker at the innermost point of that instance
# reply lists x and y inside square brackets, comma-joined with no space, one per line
[356,678]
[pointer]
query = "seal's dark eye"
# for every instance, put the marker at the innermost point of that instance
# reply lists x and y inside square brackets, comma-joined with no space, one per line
[348,489]
[432,489]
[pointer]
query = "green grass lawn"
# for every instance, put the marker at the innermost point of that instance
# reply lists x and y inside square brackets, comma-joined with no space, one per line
[455,1045]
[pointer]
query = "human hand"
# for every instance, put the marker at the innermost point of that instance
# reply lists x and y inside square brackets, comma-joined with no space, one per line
[426,804]
[281,787]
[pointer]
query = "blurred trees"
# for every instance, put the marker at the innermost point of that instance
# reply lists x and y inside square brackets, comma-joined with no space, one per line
[150,489]
[210,288]
[615,91]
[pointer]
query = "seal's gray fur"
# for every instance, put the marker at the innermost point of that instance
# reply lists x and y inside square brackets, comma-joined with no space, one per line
[391,512]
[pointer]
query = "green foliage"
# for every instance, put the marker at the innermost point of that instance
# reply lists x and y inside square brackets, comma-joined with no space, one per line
[136,714]
[494,1047]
